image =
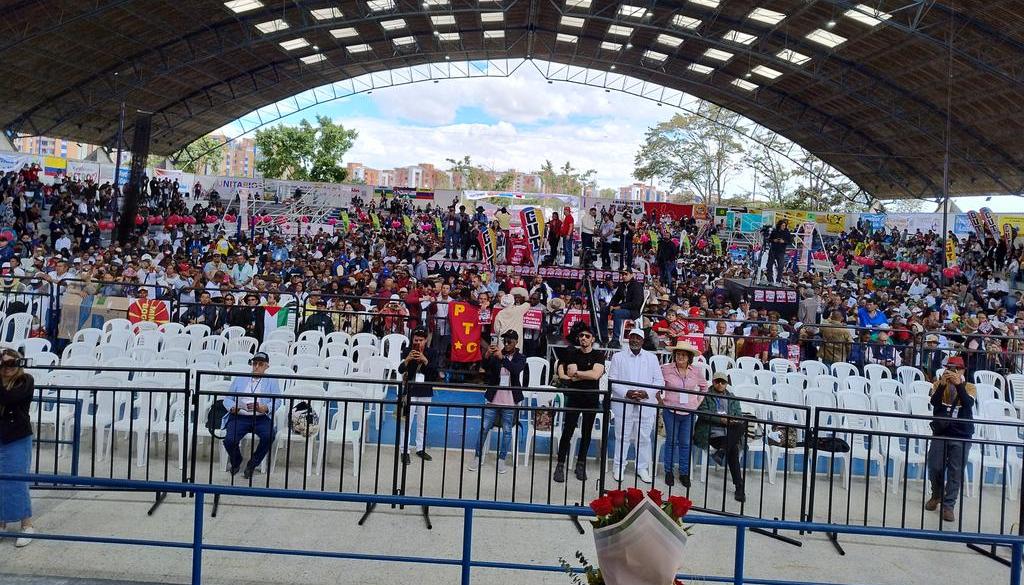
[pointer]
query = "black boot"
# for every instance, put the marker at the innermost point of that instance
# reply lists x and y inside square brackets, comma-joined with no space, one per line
[740,495]
[684,478]
[581,470]
[670,480]
[559,472]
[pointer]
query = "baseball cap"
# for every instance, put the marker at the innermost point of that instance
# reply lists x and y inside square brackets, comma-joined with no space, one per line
[931,338]
[720,376]
[510,334]
[955,362]
[260,357]
[396,298]
[637,331]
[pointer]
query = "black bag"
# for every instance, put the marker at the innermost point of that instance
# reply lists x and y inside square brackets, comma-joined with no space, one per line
[214,419]
[832,445]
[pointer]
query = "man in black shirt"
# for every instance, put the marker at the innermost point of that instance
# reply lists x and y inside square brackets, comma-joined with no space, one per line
[581,371]
[626,304]
[418,365]
[779,239]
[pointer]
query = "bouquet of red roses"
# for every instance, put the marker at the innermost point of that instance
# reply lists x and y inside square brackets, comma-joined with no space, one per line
[639,537]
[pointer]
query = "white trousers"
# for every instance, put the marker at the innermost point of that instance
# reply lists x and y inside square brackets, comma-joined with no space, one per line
[418,406]
[633,424]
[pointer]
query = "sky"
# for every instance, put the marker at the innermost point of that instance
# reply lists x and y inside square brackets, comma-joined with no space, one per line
[517,122]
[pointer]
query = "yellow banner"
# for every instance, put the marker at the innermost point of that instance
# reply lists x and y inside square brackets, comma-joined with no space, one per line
[950,252]
[795,217]
[1014,220]
[835,223]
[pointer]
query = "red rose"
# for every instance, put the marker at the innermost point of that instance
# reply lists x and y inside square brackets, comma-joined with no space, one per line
[655,495]
[680,506]
[634,497]
[618,498]
[602,506]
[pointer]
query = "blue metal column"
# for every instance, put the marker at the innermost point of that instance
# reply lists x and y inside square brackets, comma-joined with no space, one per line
[741,550]
[467,545]
[197,540]
[1017,549]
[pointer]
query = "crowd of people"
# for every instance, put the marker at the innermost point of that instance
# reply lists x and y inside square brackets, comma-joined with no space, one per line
[374,273]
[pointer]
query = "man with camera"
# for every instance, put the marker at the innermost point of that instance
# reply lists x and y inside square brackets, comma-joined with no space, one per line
[418,365]
[952,401]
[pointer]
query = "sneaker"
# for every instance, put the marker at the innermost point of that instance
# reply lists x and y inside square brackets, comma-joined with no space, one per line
[740,496]
[234,469]
[247,474]
[27,540]
[406,460]
[581,470]
[501,466]
[473,464]
[775,438]
[559,475]
[424,455]
[684,478]
[645,476]
[670,479]
[933,504]
[718,457]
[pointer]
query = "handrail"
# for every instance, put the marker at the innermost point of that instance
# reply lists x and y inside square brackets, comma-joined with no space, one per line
[466,562]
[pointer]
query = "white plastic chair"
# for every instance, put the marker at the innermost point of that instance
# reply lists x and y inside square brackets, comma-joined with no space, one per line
[749,363]
[197,331]
[330,350]
[142,355]
[216,343]
[16,327]
[1015,382]
[338,365]
[338,337]
[812,368]
[991,378]
[282,414]
[312,336]
[280,334]
[828,382]
[857,383]
[797,379]
[242,344]
[149,339]
[176,341]
[171,328]
[302,362]
[919,387]
[537,368]
[392,346]
[721,363]
[119,337]
[207,359]
[986,392]
[739,377]
[885,386]
[44,358]
[89,335]
[842,370]
[781,366]
[765,378]
[346,425]
[360,339]
[749,391]
[908,374]
[179,357]
[305,348]
[881,402]
[78,348]
[108,351]
[117,325]
[876,372]
[274,346]
[237,358]
[34,345]
[233,332]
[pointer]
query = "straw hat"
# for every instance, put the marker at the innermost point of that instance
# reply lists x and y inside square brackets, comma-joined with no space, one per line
[556,304]
[685,346]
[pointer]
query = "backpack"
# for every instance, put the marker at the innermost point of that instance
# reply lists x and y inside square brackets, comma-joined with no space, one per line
[214,419]
[303,420]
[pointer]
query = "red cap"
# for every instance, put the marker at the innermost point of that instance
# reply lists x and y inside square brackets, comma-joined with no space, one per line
[956,362]
[694,311]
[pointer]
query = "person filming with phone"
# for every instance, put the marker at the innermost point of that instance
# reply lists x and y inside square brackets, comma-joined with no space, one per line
[952,398]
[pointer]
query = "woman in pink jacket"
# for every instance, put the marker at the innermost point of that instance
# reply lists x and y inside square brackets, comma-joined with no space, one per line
[678,406]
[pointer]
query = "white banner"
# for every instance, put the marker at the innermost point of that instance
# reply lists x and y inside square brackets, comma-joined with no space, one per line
[14,162]
[84,170]
[243,209]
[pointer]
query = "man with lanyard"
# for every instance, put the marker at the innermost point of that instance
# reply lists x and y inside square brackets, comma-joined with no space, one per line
[248,414]
[632,407]
[418,365]
[951,398]
[580,369]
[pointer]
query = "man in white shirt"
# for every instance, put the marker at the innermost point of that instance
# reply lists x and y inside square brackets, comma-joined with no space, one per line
[632,407]
[250,414]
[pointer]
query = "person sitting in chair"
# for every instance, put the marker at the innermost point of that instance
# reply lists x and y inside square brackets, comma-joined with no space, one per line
[249,414]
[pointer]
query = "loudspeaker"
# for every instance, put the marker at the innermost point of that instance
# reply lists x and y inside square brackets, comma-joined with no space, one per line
[133,190]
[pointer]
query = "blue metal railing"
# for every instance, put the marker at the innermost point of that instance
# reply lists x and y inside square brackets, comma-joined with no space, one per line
[466,561]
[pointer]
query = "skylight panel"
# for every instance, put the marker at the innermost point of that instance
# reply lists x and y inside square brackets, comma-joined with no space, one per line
[380,5]
[434,3]
[403,41]
[766,72]
[271,26]
[765,16]
[326,13]
[702,69]
[360,48]
[668,40]
[443,20]
[610,46]
[742,38]
[393,24]
[718,55]
[744,84]
[494,34]
[792,56]
[577,4]
[239,6]
[572,22]
[867,15]
[683,21]
[344,33]
[619,30]
[313,59]
[564,38]
[708,3]
[627,11]
[823,37]
[655,56]
[292,44]
[492,16]
[448,36]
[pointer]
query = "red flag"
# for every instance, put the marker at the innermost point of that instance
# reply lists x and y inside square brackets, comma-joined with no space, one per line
[465,332]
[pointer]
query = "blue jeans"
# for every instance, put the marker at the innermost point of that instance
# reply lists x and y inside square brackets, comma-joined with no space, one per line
[618,316]
[237,427]
[451,243]
[677,440]
[567,243]
[487,421]
[15,501]
[668,272]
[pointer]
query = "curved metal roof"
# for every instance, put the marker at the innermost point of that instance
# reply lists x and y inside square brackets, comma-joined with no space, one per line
[864,86]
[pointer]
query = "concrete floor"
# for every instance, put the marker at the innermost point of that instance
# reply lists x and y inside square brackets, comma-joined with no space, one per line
[497,537]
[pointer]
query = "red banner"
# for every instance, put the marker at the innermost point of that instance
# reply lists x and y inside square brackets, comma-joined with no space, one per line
[532,319]
[676,211]
[465,332]
[572,317]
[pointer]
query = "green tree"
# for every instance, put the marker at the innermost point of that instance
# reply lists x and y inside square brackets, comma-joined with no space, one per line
[822,188]
[772,174]
[505,182]
[473,177]
[608,193]
[305,152]
[202,157]
[699,153]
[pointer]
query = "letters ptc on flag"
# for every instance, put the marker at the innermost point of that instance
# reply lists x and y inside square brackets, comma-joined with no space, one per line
[465,324]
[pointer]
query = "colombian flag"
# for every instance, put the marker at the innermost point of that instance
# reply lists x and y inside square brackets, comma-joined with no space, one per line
[54,166]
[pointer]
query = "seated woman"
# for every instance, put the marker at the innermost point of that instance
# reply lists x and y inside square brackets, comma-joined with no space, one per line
[721,433]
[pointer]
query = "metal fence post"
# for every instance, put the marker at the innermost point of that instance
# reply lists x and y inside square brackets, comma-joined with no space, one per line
[467,546]
[197,539]
[1015,563]
[738,560]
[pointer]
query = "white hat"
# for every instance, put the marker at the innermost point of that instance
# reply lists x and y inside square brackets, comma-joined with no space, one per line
[637,331]
[396,298]
[146,257]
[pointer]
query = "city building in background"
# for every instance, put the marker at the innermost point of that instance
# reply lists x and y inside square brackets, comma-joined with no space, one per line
[238,158]
[642,192]
[46,146]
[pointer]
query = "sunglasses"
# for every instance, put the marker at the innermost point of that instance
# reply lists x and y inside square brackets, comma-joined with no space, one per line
[584,334]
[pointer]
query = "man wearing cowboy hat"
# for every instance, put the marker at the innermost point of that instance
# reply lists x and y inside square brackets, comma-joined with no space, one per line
[951,398]
[250,415]
[632,405]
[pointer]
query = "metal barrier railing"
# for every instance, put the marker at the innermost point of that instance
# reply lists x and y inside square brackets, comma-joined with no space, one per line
[465,560]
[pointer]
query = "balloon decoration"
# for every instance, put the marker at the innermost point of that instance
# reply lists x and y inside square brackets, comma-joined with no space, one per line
[156,220]
[920,268]
[210,219]
[395,224]
[864,260]
[139,220]
[8,234]
[890,264]
[951,272]
[230,218]
[105,225]
[188,220]
[304,219]
[332,220]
